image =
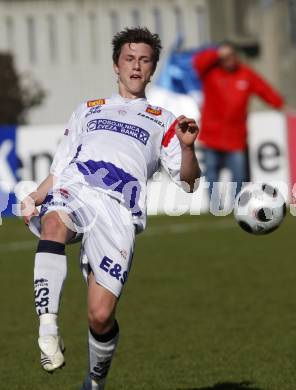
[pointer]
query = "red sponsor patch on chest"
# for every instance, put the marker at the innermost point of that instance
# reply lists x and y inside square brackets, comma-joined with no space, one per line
[97,102]
[154,111]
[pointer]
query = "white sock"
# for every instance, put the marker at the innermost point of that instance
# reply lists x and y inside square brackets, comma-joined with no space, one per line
[49,274]
[101,351]
[48,325]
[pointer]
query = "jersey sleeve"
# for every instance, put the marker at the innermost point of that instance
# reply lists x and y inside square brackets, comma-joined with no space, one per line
[265,91]
[170,154]
[68,145]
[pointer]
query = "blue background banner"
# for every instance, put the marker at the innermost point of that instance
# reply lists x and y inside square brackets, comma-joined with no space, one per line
[177,73]
[8,169]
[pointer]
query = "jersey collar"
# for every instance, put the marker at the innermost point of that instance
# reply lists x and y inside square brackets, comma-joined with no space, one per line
[115,97]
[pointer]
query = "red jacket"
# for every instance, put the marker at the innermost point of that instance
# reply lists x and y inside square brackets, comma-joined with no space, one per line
[226,98]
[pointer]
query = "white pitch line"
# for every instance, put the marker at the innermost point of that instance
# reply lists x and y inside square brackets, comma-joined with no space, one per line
[177,228]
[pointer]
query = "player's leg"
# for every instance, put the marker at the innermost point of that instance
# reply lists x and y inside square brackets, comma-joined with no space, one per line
[108,247]
[103,334]
[49,274]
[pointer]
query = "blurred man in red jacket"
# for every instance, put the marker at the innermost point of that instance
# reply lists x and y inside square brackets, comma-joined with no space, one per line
[228,85]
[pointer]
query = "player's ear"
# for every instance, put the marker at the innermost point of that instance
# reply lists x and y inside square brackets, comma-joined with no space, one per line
[116,69]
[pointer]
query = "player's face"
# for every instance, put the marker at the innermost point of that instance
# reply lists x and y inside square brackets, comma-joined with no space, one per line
[231,61]
[135,68]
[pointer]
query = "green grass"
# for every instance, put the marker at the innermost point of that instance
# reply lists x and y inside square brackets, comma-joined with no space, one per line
[206,303]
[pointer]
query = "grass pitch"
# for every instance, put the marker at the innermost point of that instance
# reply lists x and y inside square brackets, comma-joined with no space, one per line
[206,307]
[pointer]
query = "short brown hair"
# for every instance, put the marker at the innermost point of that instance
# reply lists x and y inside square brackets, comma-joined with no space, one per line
[136,35]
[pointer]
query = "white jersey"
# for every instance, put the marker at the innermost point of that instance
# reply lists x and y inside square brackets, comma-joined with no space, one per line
[115,145]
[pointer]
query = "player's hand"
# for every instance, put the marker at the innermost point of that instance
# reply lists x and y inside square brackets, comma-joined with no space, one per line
[28,209]
[186,130]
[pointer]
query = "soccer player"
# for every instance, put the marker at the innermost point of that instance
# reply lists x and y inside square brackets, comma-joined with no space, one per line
[97,187]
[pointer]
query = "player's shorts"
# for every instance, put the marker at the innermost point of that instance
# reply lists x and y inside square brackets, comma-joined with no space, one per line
[105,227]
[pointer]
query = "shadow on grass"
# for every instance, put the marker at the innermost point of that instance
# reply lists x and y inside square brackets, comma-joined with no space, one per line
[227,386]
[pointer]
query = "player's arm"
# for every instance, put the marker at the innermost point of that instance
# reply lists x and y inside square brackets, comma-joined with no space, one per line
[204,60]
[187,131]
[36,198]
[64,154]
[177,152]
[265,91]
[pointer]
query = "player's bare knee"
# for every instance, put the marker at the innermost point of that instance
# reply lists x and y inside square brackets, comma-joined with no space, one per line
[100,319]
[53,228]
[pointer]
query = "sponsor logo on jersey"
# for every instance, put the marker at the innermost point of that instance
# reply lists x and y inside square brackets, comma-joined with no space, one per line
[160,123]
[109,177]
[154,111]
[119,127]
[114,269]
[64,193]
[52,199]
[97,102]
[94,110]
[123,253]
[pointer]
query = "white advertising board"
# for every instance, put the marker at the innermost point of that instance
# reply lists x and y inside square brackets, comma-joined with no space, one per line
[268,152]
[268,148]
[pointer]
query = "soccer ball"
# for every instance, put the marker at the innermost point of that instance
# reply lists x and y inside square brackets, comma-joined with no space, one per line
[259,208]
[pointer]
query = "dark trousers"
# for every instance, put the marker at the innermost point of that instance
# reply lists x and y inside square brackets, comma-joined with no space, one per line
[215,160]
